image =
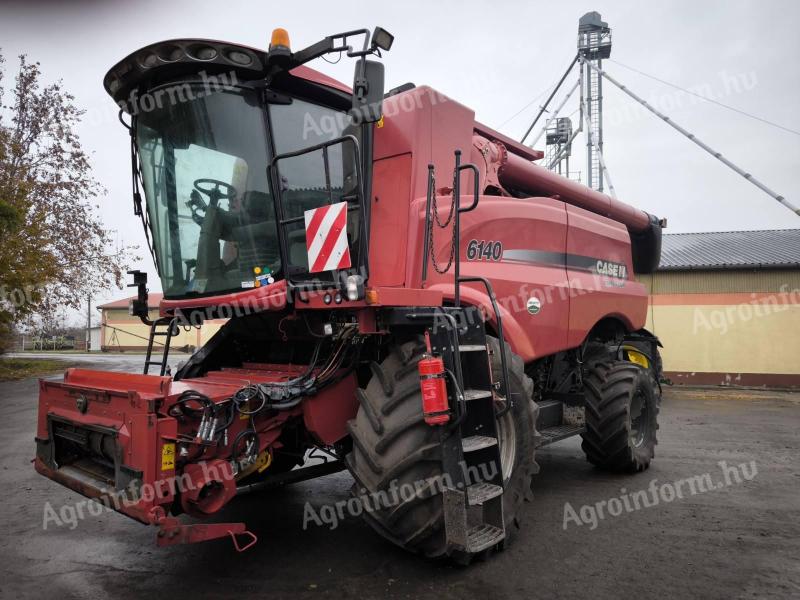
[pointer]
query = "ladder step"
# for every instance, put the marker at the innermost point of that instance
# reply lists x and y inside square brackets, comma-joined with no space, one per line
[477,442]
[472,348]
[166,328]
[557,433]
[479,493]
[547,403]
[481,537]
[476,394]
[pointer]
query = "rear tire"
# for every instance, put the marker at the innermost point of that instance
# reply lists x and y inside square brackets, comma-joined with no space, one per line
[621,416]
[394,448]
[657,366]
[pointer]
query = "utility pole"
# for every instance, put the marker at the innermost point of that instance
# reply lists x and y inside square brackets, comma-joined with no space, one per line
[89,324]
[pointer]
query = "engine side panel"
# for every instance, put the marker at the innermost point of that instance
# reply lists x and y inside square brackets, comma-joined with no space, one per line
[519,245]
[601,276]
[556,269]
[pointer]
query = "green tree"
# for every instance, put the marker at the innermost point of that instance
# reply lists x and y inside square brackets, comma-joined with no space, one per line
[54,248]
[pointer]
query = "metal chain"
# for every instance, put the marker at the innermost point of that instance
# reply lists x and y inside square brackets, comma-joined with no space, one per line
[436,210]
[441,225]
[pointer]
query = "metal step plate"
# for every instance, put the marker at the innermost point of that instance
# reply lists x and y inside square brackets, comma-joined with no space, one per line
[472,348]
[548,435]
[479,493]
[477,442]
[545,404]
[476,394]
[481,537]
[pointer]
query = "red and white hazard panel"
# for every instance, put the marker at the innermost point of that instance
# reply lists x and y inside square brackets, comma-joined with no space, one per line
[326,238]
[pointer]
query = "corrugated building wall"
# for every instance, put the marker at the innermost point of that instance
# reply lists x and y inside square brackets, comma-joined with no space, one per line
[727,308]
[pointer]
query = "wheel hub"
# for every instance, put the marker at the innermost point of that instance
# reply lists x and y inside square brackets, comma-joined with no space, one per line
[507,439]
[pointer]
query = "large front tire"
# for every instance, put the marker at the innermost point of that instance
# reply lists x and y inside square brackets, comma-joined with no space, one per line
[393,448]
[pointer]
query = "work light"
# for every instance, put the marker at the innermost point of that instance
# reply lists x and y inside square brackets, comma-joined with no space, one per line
[382,39]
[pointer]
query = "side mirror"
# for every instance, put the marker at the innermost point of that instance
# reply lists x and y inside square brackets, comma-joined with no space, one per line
[138,307]
[368,92]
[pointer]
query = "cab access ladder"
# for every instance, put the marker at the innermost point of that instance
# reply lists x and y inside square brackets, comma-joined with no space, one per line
[166,327]
[473,487]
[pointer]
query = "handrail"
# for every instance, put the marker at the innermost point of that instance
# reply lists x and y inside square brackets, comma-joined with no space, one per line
[457,199]
[503,359]
[458,279]
[428,201]
[282,221]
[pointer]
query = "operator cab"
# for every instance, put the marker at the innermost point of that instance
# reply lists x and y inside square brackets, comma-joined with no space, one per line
[235,148]
[208,196]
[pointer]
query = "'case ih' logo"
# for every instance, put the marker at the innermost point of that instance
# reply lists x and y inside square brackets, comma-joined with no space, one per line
[611,269]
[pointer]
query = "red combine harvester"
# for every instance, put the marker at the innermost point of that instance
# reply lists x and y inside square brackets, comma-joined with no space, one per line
[369,250]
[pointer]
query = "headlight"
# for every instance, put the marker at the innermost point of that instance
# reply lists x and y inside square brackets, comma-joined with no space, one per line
[352,286]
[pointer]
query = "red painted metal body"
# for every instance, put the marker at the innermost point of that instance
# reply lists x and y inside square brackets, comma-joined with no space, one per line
[517,173]
[422,127]
[551,277]
[134,411]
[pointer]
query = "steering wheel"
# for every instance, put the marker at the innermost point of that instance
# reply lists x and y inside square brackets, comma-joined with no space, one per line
[215,193]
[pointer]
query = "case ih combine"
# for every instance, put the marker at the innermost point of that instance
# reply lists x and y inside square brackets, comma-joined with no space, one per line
[369,250]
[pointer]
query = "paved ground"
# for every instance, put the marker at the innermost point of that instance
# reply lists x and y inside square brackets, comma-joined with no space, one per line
[739,541]
[111,361]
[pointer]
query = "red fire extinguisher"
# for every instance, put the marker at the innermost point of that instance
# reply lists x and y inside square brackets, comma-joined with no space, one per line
[435,409]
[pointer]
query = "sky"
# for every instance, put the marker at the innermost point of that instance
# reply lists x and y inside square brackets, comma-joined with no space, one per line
[500,59]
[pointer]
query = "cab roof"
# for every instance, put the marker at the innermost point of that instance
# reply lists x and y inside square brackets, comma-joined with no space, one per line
[164,61]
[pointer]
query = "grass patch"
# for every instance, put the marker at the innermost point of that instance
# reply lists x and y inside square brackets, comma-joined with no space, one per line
[22,368]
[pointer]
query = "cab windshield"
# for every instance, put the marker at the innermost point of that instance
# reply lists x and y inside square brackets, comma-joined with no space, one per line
[208,199]
[204,170]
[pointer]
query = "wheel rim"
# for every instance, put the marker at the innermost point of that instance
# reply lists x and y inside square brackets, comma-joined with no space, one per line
[640,418]
[507,439]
